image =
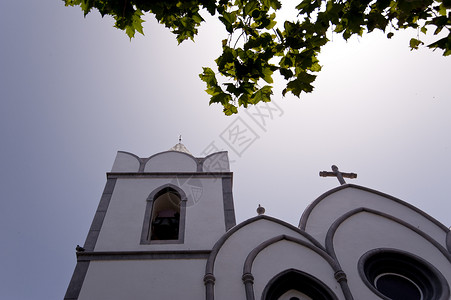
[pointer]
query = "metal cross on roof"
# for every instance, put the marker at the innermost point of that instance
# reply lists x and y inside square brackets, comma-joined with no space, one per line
[336,173]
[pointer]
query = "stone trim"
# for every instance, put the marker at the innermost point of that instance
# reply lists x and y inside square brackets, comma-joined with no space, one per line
[253,254]
[247,268]
[448,241]
[211,260]
[304,218]
[76,282]
[84,259]
[81,268]
[142,255]
[229,210]
[200,162]
[331,232]
[170,174]
[143,161]
[209,269]
[145,233]
[209,281]
[248,280]
[310,282]
[99,216]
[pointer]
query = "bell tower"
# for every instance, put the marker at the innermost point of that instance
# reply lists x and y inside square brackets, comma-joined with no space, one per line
[156,223]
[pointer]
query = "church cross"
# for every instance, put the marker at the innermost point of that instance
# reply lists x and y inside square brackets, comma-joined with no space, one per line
[335,172]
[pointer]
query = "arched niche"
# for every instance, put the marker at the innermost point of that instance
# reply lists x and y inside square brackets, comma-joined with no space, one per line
[293,283]
[294,295]
[164,219]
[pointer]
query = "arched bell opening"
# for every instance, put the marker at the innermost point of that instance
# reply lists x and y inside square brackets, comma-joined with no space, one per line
[165,221]
[164,217]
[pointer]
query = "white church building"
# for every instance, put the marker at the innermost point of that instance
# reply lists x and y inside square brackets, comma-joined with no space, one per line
[165,229]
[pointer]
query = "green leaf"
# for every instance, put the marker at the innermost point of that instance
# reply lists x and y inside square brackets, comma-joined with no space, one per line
[222,98]
[228,19]
[275,4]
[250,6]
[301,84]
[263,94]
[286,62]
[230,109]
[286,73]
[243,100]
[316,67]
[208,76]
[414,43]
[443,43]
[253,39]
[442,10]
[267,75]
[135,25]
[231,88]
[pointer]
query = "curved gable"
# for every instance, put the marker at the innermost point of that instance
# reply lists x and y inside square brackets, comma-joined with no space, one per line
[321,214]
[126,162]
[226,261]
[171,161]
[283,253]
[364,230]
[257,222]
[360,222]
[216,162]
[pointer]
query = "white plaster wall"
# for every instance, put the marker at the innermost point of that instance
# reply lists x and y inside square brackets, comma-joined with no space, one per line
[205,221]
[125,162]
[228,268]
[364,232]
[171,161]
[284,255]
[122,226]
[342,201]
[144,279]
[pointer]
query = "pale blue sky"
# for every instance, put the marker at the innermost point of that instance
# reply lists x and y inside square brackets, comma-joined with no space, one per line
[74,91]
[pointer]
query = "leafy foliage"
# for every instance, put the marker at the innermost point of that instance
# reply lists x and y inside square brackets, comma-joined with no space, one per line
[255,47]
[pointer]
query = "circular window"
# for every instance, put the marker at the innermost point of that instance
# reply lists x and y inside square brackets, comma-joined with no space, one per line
[396,286]
[395,275]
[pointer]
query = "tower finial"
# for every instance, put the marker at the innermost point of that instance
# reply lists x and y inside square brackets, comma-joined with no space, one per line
[260,210]
[180,147]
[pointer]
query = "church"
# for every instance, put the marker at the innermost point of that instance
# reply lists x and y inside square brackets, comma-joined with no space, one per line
[165,229]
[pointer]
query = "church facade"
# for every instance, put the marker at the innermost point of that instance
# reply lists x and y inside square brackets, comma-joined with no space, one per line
[165,229]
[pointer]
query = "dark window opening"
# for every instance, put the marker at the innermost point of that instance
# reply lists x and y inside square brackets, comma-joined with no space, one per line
[165,221]
[397,287]
[398,275]
[293,280]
